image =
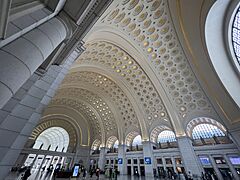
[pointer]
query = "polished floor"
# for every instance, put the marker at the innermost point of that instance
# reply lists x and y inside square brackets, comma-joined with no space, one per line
[36,175]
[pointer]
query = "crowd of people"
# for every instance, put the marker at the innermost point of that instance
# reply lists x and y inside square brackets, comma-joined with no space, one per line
[110,173]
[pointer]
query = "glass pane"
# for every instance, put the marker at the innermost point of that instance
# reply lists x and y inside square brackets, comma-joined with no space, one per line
[137,140]
[236,35]
[206,131]
[166,136]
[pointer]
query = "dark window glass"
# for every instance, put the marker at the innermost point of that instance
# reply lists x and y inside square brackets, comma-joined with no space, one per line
[135,161]
[159,161]
[168,161]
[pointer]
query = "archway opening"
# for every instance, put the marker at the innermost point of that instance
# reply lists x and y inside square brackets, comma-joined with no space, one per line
[167,139]
[206,131]
[53,139]
[112,144]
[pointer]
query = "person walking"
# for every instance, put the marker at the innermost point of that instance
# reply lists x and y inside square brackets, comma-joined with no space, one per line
[84,173]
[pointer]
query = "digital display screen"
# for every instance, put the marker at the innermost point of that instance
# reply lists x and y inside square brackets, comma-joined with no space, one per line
[147,160]
[235,160]
[75,170]
[205,160]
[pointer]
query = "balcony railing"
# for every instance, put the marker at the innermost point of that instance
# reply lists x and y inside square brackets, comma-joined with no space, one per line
[212,141]
[166,145]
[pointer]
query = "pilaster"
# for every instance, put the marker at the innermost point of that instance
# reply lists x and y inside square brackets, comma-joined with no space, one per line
[122,160]
[191,162]
[102,158]
[148,158]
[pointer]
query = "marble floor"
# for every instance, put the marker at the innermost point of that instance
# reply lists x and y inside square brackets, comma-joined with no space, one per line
[36,175]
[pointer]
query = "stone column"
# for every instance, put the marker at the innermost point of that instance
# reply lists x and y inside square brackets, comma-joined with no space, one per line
[34,161]
[164,164]
[102,158]
[132,168]
[23,111]
[148,154]
[138,165]
[191,161]
[71,162]
[21,58]
[122,168]
[43,161]
[174,164]
[40,167]
[219,175]
[231,167]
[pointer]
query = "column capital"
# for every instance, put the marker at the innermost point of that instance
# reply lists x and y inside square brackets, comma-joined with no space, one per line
[183,137]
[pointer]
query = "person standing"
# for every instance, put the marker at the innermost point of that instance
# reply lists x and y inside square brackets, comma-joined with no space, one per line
[91,172]
[110,173]
[27,173]
[116,173]
[84,173]
[97,173]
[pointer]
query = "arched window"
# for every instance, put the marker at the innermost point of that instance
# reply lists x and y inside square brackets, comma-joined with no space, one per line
[96,144]
[236,36]
[115,145]
[111,141]
[206,131]
[137,140]
[53,139]
[166,136]
[130,137]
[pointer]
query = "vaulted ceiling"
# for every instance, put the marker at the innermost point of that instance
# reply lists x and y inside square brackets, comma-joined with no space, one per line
[133,76]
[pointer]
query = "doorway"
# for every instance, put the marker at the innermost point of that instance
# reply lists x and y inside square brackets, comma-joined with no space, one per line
[161,172]
[210,173]
[142,170]
[226,173]
[129,172]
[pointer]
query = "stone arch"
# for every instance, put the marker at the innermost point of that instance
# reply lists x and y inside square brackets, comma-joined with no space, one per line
[78,105]
[96,144]
[110,141]
[66,125]
[129,138]
[203,120]
[218,41]
[70,113]
[55,137]
[156,131]
[121,85]
[115,37]
[101,104]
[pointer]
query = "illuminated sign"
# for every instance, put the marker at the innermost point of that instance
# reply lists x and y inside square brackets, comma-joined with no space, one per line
[120,160]
[147,160]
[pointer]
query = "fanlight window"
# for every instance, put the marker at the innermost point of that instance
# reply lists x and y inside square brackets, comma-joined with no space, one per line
[53,139]
[96,144]
[236,36]
[206,131]
[115,145]
[137,140]
[166,136]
